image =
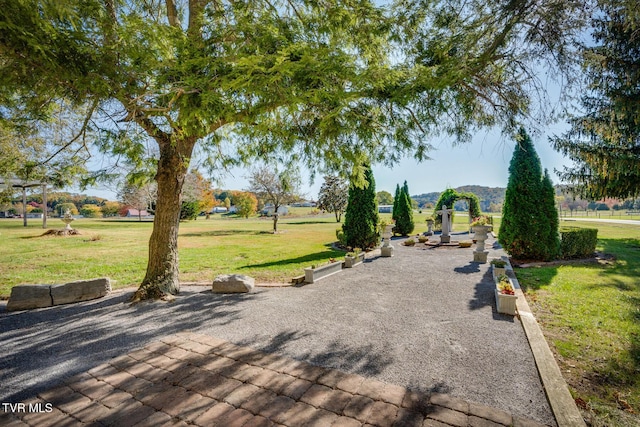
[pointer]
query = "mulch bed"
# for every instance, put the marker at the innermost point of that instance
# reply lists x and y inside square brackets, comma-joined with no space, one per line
[62,232]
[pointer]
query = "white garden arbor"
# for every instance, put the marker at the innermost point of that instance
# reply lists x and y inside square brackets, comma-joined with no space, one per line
[19,183]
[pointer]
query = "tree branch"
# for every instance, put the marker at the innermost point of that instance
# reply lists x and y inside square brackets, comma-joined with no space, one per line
[196,11]
[82,131]
[172,13]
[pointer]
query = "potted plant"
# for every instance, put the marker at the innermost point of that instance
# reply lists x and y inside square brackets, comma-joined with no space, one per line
[409,242]
[499,266]
[382,225]
[386,250]
[391,227]
[481,223]
[505,295]
[353,258]
[313,273]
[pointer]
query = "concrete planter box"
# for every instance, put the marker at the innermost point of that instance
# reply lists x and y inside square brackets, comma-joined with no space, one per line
[311,275]
[352,261]
[505,303]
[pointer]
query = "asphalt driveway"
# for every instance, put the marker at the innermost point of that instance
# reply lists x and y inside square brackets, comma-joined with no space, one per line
[424,319]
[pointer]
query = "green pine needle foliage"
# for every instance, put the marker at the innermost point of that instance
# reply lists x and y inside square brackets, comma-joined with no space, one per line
[529,227]
[396,199]
[361,217]
[404,216]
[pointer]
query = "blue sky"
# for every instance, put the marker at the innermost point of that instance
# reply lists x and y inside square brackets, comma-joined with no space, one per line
[484,161]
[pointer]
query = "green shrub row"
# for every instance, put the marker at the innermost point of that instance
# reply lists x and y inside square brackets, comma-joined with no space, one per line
[578,242]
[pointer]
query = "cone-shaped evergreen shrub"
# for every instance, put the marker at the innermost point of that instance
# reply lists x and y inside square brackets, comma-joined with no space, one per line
[361,217]
[550,212]
[396,199]
[529,228]
[404,217]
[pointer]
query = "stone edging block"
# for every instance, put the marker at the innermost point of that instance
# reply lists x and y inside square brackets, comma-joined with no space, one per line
[25,297]
[81,290]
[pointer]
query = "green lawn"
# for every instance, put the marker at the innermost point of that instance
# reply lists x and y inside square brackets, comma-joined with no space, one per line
[118,249]
[590,314]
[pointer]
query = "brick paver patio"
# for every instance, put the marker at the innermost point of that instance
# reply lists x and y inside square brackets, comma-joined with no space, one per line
[193,379]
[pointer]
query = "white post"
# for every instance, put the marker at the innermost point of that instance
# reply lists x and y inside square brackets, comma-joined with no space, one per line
[24,205]
[44,205]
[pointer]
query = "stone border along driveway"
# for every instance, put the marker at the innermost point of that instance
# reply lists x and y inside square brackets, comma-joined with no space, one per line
[192,379]
[424,319]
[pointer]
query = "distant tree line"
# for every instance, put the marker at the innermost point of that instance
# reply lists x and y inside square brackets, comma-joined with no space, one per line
[491,198]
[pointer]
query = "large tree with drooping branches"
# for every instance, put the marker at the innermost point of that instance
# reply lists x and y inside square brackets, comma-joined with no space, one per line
[282,81]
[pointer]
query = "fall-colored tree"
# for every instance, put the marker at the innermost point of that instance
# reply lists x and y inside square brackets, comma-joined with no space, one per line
[246,203]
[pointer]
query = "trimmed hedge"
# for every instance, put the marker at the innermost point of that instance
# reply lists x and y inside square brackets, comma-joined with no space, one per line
[578,242]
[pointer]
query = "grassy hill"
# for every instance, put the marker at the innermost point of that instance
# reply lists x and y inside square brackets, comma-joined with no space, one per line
[487,196]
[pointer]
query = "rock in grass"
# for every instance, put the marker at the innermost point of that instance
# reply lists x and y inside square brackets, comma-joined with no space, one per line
[233,283]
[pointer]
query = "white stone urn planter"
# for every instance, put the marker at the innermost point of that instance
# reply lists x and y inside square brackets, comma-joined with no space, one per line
[505,303]
[352,261]
[482,230]
[481,234]
[387,249]
[312,275]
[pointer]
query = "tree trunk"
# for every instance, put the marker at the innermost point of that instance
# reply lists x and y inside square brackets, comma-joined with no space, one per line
[275,222]
[162,278]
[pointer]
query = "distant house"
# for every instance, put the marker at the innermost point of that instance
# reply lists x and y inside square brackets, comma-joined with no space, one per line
[385,209]
[305,204]
[268,210]
[136,213]
[219,209]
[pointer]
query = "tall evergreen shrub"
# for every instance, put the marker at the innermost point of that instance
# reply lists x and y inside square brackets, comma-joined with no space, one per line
[529,228]
[361,217]
[396,199]
[404,218]
[550,212]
